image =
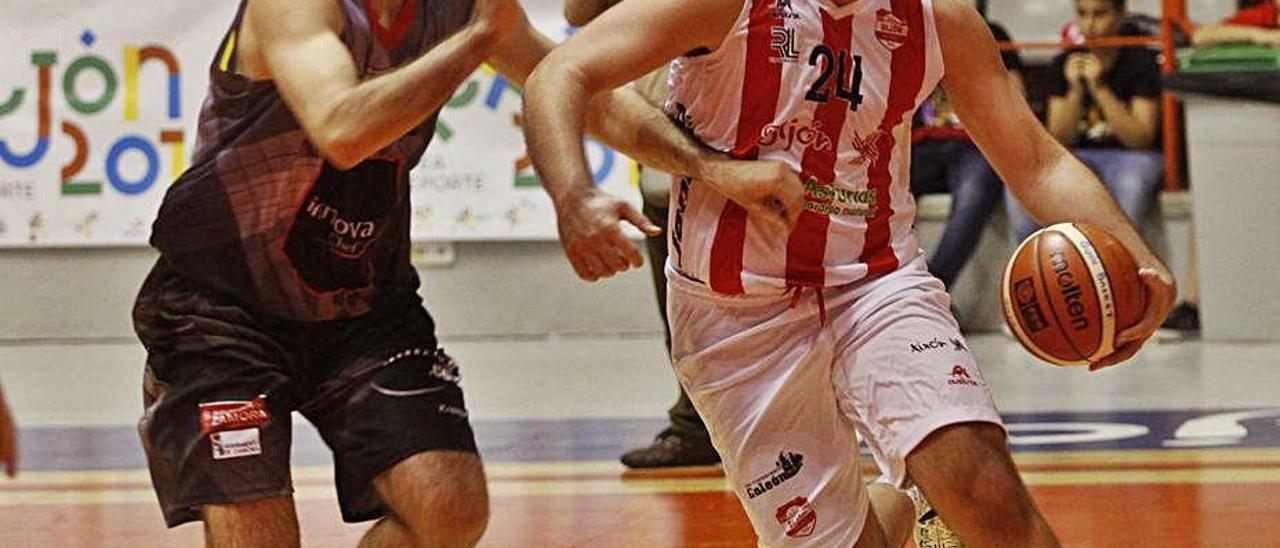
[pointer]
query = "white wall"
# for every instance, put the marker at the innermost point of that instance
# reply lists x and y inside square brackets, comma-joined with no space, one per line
[492,289]
[1042,19]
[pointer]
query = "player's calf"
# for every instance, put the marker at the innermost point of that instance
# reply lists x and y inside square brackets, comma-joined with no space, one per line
[966,472]
[266,522]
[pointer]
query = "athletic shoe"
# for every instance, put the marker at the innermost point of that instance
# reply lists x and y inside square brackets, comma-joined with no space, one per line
[930,530]
[671,449]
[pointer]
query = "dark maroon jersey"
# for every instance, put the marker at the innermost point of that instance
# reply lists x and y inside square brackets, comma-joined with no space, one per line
[262,216]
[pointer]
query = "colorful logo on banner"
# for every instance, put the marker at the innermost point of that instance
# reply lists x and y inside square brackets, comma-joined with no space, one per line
[83,99]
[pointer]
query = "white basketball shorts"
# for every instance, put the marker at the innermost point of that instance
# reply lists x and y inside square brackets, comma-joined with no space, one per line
[782,393]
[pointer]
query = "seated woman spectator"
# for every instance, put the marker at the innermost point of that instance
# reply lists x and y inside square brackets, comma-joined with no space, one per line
[1105,106]
[944,159]
[1255,23]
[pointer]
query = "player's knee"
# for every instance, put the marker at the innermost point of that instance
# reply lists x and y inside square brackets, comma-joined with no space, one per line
[457,518]
[453,525]
[982,485]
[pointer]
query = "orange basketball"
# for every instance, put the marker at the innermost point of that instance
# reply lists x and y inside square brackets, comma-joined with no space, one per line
[1068,290]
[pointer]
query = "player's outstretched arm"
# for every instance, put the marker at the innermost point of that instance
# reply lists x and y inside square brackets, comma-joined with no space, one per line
[297,44]
[8,439]
[573,90]
[1051,183]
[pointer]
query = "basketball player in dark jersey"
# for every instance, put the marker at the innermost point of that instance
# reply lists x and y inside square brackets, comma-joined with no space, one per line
[284,282]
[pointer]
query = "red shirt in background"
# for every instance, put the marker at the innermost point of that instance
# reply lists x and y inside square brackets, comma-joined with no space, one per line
[1262,15]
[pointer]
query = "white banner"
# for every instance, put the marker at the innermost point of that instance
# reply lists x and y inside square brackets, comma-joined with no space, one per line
[98,104]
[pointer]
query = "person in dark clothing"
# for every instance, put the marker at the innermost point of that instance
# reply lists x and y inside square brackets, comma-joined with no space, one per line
[284,281]
[1104,106]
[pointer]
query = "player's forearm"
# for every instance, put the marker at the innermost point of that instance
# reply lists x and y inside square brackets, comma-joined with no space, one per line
[374,113]
[1230,34]
[557,113]
[1062,189]
[1064,117]
[1131,131]
[627,122]
[555,99]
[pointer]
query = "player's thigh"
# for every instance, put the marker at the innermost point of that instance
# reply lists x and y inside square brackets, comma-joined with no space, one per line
[390,396]
[760,379]
[218,393]
[903,369]
[435,489]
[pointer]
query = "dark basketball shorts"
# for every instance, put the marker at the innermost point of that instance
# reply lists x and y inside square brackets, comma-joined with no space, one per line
[221,383]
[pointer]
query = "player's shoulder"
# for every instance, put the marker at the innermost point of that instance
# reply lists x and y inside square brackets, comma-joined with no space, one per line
[296,16]
[957,18]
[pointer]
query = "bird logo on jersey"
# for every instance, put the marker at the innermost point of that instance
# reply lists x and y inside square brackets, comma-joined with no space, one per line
[891,30]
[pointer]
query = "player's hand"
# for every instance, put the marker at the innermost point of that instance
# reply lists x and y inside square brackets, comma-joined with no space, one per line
[497,16]
[1091,69]
[770,191]
[590,224]
[8,441]
[1073,70]
[1161,292]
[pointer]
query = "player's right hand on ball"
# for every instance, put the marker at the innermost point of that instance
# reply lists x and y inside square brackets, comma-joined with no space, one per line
[770,191]
[590,224]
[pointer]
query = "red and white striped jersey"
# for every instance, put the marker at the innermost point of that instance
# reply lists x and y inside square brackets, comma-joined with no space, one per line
[829,90]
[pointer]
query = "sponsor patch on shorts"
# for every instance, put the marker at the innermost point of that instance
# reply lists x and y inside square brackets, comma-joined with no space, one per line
[233,415]
[797,517]
[230,444]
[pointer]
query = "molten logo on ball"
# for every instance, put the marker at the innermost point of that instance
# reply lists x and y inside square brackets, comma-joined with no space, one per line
[1071,291]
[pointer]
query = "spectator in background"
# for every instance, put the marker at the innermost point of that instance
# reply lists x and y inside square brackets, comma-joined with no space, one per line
[685,441]
[944,159]
[1255,23]
[8,439]
[1104,105]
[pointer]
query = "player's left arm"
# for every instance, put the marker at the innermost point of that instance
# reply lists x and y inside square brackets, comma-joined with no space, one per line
[1051,183]
[588,219]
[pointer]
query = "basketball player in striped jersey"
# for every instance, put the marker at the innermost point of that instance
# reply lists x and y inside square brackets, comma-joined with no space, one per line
[284,282]
[790,341]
